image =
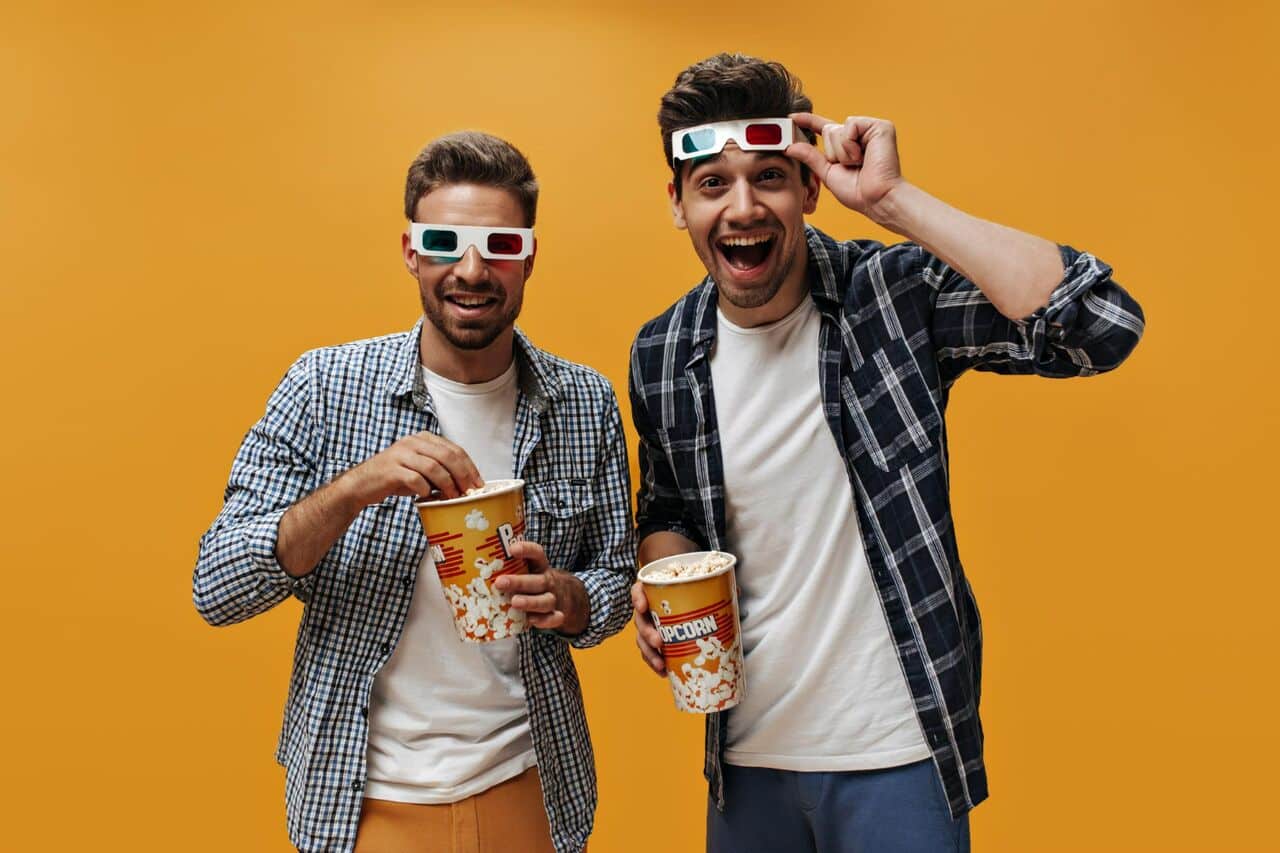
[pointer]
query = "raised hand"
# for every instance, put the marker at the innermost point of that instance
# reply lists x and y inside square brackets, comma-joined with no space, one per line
[858,162]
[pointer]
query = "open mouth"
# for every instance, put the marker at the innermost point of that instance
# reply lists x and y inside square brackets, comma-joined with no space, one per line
[745,253]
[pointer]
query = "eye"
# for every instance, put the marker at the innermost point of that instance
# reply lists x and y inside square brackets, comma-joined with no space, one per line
[710,182]
[772,174]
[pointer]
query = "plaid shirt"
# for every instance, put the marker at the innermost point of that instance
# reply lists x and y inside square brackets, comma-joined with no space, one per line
[898,328]
[338,406]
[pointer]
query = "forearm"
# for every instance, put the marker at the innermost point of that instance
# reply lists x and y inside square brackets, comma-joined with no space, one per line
[1016,271]
[310,527]
[663,544]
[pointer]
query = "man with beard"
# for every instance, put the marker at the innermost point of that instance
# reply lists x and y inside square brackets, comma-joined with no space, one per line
[790,411]
[397,736]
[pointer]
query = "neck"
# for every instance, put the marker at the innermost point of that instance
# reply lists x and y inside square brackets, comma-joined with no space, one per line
[468,366]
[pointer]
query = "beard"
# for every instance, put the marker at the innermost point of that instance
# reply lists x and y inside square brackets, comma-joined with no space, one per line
[470,334]
[757,295]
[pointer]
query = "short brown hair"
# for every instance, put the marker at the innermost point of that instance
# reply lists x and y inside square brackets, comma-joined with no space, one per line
[728,86]
[472,157]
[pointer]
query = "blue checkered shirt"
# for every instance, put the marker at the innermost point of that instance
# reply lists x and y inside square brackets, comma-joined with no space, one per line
[898,328]
[335,408]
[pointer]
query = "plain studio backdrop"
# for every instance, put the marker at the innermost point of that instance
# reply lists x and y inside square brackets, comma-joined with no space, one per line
[191,195]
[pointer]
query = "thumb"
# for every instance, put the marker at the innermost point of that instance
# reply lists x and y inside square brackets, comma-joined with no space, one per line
[811,157]
[531,553]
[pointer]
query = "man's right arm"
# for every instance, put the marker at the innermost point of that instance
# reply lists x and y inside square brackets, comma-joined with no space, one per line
[663,525]
[276,525]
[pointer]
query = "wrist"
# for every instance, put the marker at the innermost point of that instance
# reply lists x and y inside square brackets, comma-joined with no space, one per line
[898,210]
[349,493]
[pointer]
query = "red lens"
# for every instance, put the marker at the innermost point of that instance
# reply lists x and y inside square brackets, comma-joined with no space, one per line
[764,134]
[506,244]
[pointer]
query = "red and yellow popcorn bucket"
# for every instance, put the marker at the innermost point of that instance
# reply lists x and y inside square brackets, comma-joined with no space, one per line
[470,541]
[697,616]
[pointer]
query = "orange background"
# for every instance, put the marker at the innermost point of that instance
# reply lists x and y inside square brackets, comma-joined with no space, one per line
[193,194]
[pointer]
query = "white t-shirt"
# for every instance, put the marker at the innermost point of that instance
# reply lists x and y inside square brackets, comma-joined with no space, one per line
[824,688]
[448,719]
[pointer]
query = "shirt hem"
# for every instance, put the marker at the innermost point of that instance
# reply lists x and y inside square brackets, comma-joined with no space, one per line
[829,763]
[401,792]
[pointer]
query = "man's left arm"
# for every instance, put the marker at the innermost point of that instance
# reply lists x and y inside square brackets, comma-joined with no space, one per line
[592,603]
[1062,305]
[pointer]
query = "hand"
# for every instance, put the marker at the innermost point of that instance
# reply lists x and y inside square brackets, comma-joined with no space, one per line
[859,160]
[647,636]
[415,465]
[553,598]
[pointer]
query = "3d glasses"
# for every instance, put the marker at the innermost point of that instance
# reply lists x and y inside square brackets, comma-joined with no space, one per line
[755,134]
[452,241]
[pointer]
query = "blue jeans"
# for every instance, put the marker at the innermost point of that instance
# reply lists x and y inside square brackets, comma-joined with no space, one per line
[895,810]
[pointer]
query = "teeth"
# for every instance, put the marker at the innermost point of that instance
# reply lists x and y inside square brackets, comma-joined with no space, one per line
[745,241]
[472,302]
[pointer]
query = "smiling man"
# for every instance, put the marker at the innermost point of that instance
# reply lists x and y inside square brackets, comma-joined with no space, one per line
[790,411]
[397,736]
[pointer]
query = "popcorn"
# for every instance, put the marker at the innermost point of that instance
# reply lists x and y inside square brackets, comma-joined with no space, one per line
[487,488]
[710,682]
[707,565]
[476,521]
[481,612]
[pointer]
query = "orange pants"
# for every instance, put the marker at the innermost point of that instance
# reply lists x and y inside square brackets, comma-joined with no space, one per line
[509,816]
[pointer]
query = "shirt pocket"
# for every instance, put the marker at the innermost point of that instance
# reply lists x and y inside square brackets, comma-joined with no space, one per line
[890,404]
[556,517]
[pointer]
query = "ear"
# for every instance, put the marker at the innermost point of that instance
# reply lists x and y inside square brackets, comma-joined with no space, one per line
[677,208]
[528,262]
[812,187]
[410,256]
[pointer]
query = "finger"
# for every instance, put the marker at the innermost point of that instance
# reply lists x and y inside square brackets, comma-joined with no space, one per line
[523,584]
[811,157]
[638,602]
[451,456]
[436,475]
[544,603]
[651,657]
[849,153]
[650,635]
[547,620]
[830,145]
[532,553]
[810,121]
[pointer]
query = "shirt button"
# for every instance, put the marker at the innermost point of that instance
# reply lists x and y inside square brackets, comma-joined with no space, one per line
[936,737]
[405,581]
[560,502]
[357,785]
[386,648]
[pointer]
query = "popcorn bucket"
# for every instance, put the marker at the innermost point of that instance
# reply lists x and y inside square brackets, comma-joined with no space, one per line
[693,601]
[470,540]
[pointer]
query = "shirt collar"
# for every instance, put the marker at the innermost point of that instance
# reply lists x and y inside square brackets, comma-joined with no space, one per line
[537,376]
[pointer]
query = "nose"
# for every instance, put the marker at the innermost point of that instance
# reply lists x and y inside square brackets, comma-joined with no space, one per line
[471,269]
[742,202]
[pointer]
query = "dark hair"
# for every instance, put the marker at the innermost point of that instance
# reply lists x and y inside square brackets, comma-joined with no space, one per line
[472,157]
[729,86]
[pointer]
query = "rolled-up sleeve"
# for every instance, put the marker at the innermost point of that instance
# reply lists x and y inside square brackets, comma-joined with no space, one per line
[1089,325]
[659,506]
[237,574]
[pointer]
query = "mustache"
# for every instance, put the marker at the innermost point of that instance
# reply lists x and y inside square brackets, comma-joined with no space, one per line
[444,292]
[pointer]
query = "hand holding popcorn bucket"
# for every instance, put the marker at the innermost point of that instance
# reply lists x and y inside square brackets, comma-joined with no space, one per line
[470,539]
[693,601]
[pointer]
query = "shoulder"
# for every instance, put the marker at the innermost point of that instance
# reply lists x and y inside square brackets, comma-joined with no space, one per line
[665,337]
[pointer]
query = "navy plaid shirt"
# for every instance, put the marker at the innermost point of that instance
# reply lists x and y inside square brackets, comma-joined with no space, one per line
[335,408]
[898,328]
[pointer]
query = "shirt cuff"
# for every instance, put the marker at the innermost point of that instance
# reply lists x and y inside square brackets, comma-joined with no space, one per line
[261,537]
[1055,323]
